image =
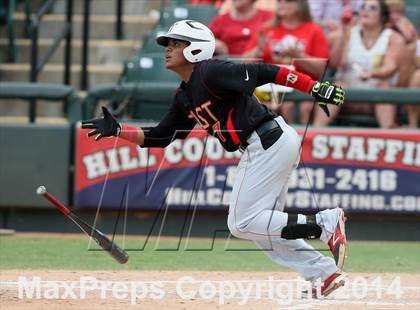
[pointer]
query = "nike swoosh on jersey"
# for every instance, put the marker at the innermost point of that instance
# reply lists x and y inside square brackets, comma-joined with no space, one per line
[247,76]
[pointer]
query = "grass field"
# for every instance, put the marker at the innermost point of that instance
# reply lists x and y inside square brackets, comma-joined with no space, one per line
[381,275]
[71,252]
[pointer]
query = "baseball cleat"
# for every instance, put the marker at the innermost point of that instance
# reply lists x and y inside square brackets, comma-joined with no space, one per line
[333,282]
[338,242]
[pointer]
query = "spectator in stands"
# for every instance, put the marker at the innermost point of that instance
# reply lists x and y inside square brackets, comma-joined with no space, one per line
[242,21]
[328,13]
[367,56]
[406,29]
[291,38]
[399,22]
[268,5]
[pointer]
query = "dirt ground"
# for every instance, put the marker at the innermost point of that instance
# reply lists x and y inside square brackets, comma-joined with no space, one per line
[103,290]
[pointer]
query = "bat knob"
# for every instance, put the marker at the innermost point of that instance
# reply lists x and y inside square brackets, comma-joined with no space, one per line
[41,190]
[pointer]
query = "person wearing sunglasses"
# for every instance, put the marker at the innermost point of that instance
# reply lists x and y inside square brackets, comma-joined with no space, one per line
[367,55]
[328,13]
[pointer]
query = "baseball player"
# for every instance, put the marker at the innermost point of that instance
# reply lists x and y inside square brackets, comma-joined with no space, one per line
[218,96]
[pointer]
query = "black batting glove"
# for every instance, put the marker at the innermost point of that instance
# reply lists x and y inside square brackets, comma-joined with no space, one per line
[325,92]
[102,127]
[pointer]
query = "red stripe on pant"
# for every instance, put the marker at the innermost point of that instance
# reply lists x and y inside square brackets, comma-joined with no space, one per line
[232,130]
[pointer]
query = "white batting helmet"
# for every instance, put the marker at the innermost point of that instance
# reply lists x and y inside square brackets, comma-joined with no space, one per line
[202,42]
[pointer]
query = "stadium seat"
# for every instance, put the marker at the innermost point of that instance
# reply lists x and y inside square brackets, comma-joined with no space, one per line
[149,42]
[153,104]
[180,2]
[157,85]
[148,68]
[201,13]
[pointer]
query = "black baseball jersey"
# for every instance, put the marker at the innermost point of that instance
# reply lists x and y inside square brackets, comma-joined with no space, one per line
[219,98]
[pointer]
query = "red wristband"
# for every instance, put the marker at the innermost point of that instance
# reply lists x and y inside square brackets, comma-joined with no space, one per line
[129,133]
[294,79]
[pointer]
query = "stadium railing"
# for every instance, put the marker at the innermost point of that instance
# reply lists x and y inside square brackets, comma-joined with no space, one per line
[7,11]
[158,96]
[146,101]
[371,96]
[399,96]
[50,92]
[37,153]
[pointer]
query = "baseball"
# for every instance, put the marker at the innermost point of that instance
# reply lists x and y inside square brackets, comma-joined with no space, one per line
[41,190]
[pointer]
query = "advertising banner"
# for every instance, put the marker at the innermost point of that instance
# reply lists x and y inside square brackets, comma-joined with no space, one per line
[366,170]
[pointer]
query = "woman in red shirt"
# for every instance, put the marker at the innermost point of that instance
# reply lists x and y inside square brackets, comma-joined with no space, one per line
[234,29]
[291,38]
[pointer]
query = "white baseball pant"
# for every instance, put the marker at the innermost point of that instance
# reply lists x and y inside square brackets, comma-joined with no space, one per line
[258,200]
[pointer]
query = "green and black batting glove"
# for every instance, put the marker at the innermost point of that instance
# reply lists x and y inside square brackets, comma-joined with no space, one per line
[102,127]
[325,92]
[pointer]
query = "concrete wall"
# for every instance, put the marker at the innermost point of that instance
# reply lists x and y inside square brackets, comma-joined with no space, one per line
[33,155]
